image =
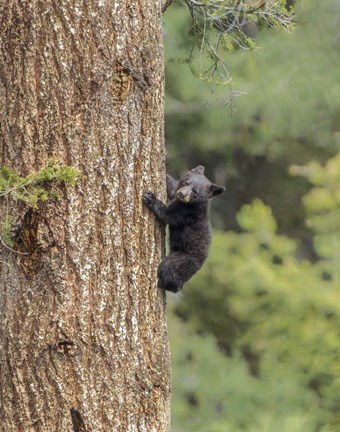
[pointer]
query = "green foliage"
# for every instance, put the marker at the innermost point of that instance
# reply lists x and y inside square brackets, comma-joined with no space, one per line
[219,26]
[276,314]
[213,392]
[290,80]
[258,218]
[322,205]
[269,295]
[32,189]
[6,231]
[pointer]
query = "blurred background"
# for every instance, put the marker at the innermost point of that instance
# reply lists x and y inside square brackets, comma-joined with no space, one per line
[255,335]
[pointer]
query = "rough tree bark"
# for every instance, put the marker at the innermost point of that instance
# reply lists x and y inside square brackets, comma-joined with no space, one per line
[82,325]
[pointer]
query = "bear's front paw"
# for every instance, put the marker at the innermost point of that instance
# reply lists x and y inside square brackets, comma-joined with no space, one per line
[148,198]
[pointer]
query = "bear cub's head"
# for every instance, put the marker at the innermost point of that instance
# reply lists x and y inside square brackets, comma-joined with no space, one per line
[193,187]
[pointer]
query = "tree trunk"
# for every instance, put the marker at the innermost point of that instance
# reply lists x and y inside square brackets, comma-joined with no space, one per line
[83,338]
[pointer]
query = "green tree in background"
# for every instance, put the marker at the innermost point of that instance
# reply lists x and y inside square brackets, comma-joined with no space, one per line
[323,210]
[255,335]
[280,314]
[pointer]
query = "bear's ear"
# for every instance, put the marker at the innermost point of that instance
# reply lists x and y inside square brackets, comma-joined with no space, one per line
[214,189]
[198,170]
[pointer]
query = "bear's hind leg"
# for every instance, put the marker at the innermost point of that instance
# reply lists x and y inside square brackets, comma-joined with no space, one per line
[174,270]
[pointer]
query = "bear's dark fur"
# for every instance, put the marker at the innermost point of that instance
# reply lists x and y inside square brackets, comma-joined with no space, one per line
[187,217]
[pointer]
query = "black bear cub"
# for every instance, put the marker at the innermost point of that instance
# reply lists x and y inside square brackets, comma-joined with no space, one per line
[188,218]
